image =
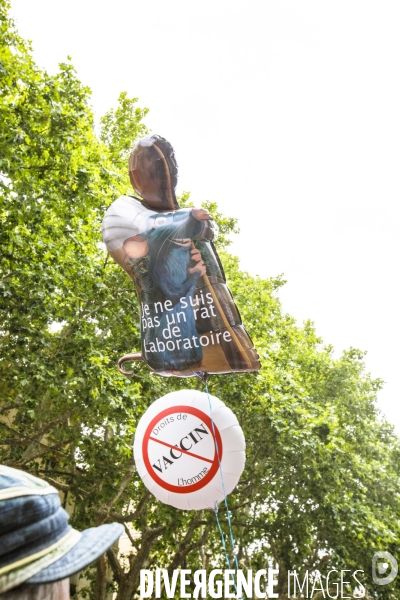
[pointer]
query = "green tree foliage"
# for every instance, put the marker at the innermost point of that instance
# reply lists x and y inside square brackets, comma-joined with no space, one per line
[321,485]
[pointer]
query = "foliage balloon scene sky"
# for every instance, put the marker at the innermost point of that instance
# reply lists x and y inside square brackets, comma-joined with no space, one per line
[286,115]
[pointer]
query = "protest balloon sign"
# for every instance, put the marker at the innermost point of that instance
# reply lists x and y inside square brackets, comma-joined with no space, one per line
[190,324]
[187,455]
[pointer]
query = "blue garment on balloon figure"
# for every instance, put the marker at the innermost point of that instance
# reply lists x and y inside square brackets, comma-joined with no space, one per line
[169,337]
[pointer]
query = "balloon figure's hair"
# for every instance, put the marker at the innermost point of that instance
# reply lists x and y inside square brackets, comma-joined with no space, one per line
[153,172]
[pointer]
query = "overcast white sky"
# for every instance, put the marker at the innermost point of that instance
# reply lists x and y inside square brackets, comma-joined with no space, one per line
[287,114]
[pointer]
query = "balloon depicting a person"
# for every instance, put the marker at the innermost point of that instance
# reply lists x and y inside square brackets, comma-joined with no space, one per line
[190,324]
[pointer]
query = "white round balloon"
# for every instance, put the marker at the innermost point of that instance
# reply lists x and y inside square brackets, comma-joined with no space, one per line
[186,455]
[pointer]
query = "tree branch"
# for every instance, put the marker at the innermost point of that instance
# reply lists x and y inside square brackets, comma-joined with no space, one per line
[133,516]
[115,566]
[104,512]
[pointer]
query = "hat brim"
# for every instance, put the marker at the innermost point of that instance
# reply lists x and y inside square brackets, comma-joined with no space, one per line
[93,543]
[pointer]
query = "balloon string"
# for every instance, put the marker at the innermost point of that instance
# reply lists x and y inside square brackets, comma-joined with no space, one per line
[232,540]
[224,544]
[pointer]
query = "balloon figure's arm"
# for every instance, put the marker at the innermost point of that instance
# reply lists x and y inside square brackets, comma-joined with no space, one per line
[194,223]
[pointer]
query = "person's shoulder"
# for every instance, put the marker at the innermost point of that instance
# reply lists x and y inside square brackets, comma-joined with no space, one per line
[124,203]
[125,218]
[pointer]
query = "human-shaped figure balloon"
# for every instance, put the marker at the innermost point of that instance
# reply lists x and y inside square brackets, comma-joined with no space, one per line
[190,324]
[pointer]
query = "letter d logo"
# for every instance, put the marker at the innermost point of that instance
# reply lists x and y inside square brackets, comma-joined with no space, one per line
[383,566]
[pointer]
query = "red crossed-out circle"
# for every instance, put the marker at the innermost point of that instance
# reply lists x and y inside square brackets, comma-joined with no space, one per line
[215,462]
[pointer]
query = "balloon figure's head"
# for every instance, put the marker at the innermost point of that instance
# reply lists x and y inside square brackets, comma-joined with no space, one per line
[154,173]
